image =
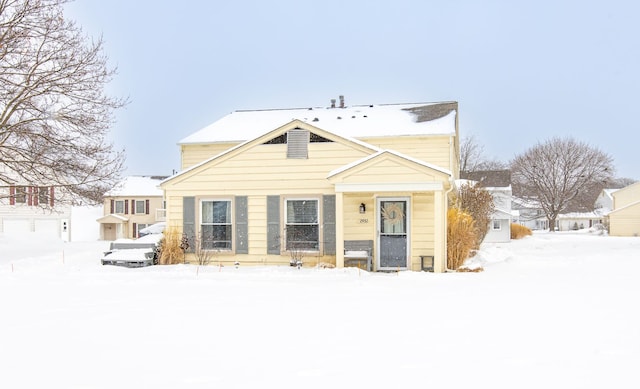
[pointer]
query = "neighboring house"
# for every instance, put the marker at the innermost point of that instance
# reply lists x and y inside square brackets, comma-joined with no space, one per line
[33,207]
[132,205]
[578,220]
[529,213]
[25,207]
[261,187]
[604,203]
[624,219]
[498,184]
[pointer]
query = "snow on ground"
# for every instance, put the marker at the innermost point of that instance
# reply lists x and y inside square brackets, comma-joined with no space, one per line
[554,310]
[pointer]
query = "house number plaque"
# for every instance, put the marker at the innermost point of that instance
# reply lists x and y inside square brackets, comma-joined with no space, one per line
[363,221]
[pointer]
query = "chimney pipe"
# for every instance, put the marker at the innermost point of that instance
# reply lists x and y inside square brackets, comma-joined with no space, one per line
[341,101]
[333,103]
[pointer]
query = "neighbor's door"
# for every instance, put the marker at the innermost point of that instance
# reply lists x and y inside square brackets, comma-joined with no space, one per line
[393,227]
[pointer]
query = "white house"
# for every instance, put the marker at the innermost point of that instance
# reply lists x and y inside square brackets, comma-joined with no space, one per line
[498,183]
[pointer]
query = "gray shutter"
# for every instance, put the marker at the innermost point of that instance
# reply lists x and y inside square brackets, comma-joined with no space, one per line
[329,224]
[242,225]
[273,225]
[297,142]
[189,221]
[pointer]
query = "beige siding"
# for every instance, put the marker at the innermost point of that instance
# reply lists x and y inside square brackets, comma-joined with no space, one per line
[257,225]
[422,227]
[433,149]
[626,196]
[194,154]
[260,170]
[626,222]
[264,169]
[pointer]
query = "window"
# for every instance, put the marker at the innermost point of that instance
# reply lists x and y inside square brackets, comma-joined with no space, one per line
[302,227]
[21,194]
[140,206]
[216,225]
[119,206]
[139,227]
[497,225]
[43,195]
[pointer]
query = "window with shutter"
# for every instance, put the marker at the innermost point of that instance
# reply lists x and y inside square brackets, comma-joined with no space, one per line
[302,226]
[140,206]
[216,225]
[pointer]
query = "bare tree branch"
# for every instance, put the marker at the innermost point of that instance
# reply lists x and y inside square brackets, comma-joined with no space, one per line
[557,172]
[54,113]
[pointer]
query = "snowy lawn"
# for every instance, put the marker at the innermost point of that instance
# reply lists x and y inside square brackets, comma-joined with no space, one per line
[555,310]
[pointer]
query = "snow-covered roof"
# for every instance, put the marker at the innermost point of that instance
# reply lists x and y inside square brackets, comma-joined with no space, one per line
[137,186]
[381,152]
[579,215]
[354,121]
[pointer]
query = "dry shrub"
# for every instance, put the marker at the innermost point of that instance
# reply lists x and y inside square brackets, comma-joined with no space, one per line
[519,231]
[477,202]
[171,253]
[469,270]
[461,237]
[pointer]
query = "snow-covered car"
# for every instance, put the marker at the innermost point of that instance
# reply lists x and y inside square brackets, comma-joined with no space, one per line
[156,228]
[139,252]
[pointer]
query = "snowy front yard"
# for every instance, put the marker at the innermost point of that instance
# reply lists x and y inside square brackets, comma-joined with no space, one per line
[550,311]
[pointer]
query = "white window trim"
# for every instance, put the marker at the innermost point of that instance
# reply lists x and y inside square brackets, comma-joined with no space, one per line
[144,206]
[493,225]
[285,224]
[115,206]
[231,223]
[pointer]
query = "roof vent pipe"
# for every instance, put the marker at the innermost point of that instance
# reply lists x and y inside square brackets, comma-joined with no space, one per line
[341,101]
[333,103]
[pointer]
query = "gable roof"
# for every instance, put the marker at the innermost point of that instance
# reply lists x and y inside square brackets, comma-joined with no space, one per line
[354,121]
[273,133]
[626,188]
[388,152]
[628,206]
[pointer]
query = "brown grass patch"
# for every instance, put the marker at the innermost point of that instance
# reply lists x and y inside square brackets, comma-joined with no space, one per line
[519,231]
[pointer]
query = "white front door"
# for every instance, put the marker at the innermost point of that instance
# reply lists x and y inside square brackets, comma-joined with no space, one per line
[393,233]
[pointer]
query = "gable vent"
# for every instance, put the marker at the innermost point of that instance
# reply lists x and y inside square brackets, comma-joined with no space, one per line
[297,143]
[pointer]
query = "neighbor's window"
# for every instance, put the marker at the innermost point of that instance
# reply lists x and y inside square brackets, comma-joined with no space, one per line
[496,225]
[140,206]
[43,195]
[302,227]
[140,226]
[21,194]
[119,206]
[216,225]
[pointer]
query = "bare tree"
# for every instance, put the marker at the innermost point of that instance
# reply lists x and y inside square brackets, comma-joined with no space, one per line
[473,157]
[556,172]
[54,113]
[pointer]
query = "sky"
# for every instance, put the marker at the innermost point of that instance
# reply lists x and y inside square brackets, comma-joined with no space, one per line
[544,313]
[522,72]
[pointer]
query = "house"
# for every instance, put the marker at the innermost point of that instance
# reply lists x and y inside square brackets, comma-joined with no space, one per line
[25,207]
[578,220]
[624,219]
[135,203]
[270,186]
[33,207]
[498,184]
